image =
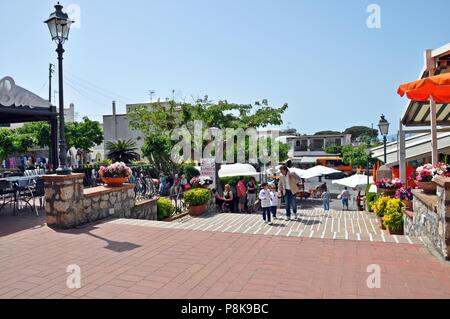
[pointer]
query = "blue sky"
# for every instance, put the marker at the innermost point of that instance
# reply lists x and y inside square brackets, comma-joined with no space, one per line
[319,56]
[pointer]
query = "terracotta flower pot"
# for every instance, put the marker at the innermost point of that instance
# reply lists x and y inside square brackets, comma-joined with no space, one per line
[197,210]
[397,232]
[115,181]
[390,192]
[427,187]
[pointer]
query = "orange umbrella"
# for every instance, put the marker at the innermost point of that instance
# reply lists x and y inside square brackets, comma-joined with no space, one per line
[434,88]
[437,87]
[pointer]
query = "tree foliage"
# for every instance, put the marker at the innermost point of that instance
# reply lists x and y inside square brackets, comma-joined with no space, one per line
[357,156]
[334,149]
[40,131]
[122,151]
[362,132]
[158,123]
[83,135]
[328,133]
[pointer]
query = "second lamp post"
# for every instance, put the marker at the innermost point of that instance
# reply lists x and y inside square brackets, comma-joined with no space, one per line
[384,130]
[59,25]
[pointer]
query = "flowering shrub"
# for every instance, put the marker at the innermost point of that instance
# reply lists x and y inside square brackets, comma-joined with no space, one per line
[115,170]
[404,194]
[389,184]
[393,221]
[201,181]
[427,172]
[165,208]
[379,206]
[197,197]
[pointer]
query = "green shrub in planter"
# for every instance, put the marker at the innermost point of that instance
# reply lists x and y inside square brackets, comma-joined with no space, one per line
[197,197]
[165,208]
[370,199]
[393,221]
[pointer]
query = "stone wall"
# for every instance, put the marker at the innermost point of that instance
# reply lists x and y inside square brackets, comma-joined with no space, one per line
[103,202]
[64,200]
[144,210]
[431,218]
[69,205]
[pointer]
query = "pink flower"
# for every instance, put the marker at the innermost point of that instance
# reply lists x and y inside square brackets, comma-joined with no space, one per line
[419,178]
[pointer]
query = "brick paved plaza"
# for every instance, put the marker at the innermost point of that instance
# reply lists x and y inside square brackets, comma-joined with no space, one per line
[217,256]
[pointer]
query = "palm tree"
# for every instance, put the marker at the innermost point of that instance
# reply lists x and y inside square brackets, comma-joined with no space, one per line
[122,151]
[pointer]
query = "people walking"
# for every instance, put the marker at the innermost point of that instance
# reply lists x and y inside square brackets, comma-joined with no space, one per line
[273,200]
[345,195]
[251,194]
[264,197]
[288,186]
[241,191]
[326,199]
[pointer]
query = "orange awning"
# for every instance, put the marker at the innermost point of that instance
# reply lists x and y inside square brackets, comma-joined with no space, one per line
[437,87]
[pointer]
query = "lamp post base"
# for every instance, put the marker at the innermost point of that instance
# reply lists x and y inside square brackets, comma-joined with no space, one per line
[63,171]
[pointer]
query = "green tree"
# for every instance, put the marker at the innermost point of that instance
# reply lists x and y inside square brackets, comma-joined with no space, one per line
[39,130]
[83,136]
[122,151]
[334,149]
[357,156]
[360,131]
[328,133]
[164,117]
[7,145]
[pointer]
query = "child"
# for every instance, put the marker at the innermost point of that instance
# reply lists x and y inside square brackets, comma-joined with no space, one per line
[274,200]
[264,197]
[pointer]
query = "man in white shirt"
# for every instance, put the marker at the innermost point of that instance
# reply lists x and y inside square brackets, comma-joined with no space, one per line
[289,189]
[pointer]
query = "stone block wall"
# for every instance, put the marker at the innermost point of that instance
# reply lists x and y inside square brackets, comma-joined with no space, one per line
[64,200]
[144,210]
[69,205]
[431,218]
[103,202]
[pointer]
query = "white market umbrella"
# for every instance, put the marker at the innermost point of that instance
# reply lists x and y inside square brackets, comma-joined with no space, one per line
[297,171]
[237,170]
[317,171]
[352,181]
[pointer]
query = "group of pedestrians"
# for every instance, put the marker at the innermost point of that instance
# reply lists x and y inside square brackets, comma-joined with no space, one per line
[246,196]
[174,185]
[243,200]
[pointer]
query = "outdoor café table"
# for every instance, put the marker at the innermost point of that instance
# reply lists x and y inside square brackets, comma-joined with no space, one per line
[15,185]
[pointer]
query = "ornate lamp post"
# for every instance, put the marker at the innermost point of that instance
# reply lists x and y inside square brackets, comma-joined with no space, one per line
[59,25]
[384,130]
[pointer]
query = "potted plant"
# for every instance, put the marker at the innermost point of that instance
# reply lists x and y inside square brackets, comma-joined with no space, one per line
[379,208]
[165,208]
[406,195]
[388,187]
[425,174]
[393,216]
[115,175]
[197,200]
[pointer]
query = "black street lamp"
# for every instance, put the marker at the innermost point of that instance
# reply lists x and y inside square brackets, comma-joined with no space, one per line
[59,25]
[384,130]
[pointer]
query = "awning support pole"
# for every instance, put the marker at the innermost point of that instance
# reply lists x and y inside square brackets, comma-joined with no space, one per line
[402,153]
[434,146]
